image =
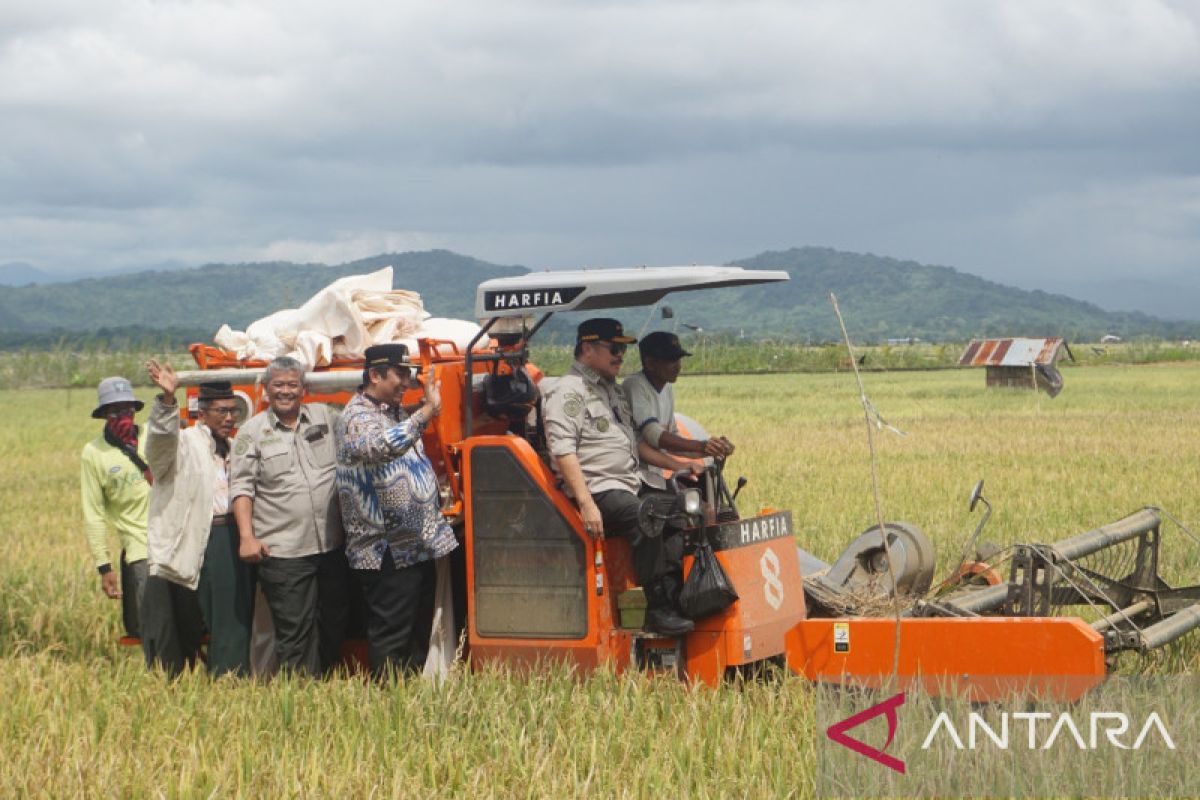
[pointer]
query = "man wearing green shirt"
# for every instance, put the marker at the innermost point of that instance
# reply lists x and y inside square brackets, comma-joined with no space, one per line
[116,493]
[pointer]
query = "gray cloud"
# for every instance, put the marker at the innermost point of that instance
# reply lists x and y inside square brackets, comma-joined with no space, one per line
[1013,139]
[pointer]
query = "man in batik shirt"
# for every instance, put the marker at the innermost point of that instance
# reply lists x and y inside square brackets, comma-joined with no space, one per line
[391,508]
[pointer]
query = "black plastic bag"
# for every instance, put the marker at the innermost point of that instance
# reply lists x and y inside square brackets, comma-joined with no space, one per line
[707,590]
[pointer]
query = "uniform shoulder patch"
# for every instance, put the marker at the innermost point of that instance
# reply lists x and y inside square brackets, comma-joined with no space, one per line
[241,447]
[572,404]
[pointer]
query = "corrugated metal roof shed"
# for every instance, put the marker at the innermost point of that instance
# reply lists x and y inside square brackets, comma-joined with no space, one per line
[1014,352]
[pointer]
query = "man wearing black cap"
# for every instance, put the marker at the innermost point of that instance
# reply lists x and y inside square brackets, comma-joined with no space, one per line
[589,430]
[391,507]
[196,577]
[115,488]
[653,404]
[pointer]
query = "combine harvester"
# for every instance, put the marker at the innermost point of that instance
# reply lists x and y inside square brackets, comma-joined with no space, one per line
[539,589]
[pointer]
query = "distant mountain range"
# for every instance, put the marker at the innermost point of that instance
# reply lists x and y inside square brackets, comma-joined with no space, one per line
[18,273]
[880,297]
[1177,298]
[193,303]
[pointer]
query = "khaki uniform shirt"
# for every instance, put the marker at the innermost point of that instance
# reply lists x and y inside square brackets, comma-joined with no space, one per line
[292,478]
[588,416]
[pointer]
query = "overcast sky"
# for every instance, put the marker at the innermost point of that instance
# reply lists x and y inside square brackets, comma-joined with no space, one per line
[1028,141]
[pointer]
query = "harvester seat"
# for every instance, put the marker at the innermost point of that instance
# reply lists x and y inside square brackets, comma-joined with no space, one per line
[516,398]
[510,395]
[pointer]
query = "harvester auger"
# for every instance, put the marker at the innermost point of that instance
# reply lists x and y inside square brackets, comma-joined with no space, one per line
[539,589]
[1112,571]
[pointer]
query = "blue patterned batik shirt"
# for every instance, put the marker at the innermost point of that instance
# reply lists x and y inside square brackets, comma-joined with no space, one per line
[387,488]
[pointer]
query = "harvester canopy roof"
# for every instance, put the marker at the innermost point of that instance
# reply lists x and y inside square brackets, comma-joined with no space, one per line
[591,290]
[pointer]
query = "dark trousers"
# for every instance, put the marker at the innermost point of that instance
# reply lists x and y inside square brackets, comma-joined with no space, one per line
[658,560]
[172,625]
[308,598]
[399,615]
[133,586]
[226,597]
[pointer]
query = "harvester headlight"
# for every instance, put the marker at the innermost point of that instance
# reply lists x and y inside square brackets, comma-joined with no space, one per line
[691,502]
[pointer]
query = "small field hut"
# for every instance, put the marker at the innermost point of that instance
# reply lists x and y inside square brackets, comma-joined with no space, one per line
[1019,363]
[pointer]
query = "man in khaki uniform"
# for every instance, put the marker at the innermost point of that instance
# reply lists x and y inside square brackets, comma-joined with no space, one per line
[596,451]
[284,496]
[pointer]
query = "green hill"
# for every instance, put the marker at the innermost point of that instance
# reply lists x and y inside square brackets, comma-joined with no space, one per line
[886,298]
[205,297]
[880,297]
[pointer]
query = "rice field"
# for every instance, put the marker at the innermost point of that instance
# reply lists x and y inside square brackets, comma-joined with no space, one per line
[81,717]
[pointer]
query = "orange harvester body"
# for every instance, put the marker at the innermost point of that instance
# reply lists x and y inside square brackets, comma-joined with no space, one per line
[538,589]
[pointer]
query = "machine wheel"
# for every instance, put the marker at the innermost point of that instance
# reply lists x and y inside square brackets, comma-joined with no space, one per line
[911,549]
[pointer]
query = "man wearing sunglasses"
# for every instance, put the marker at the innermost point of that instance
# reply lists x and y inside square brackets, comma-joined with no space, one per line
[596,452]
[114,483]
[391,507]
[196,577]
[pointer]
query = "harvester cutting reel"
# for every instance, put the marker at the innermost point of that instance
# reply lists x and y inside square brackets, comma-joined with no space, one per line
[1109,576]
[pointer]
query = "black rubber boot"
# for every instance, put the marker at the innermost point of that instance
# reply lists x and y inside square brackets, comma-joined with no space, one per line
[661,616]
[666,621]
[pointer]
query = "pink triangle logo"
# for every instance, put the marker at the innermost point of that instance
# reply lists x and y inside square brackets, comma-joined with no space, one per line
[837,732]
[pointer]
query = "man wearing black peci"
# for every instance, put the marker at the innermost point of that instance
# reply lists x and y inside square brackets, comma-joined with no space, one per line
[589,430]
[195,572]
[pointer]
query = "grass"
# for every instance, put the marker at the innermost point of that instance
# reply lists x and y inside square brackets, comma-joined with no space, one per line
[82,366]
[1077,763]
[478,735]
[82,717]
[79,368]
[722,356]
